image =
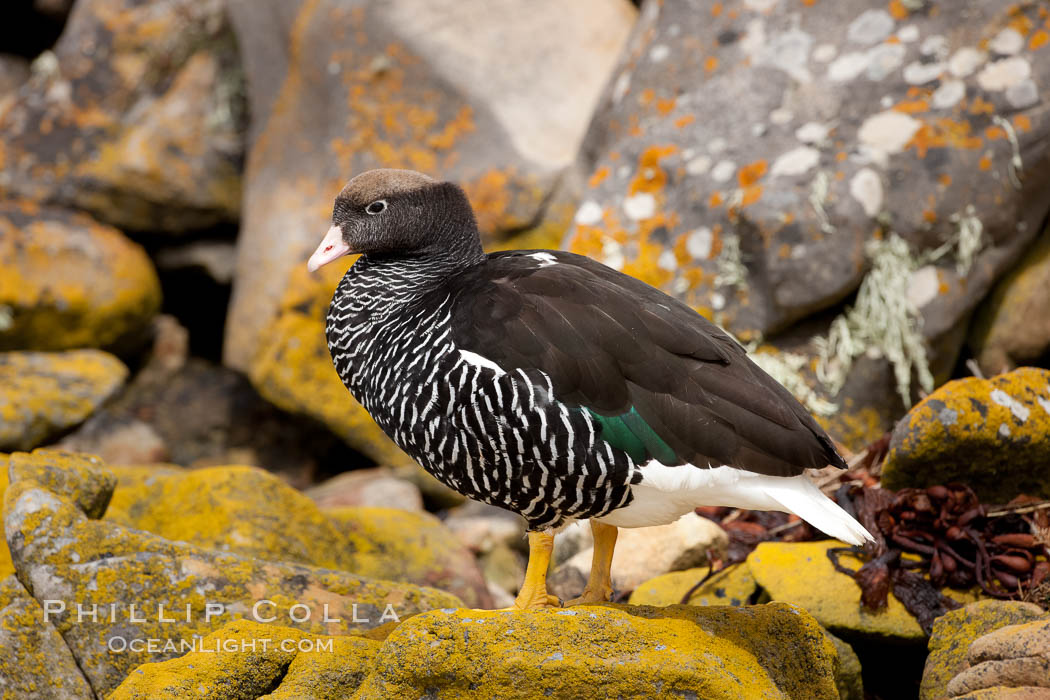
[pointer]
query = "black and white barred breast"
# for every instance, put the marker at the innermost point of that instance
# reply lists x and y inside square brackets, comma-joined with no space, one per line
[499,437]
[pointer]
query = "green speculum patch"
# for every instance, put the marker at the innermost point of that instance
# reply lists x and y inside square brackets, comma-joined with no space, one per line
[629,432]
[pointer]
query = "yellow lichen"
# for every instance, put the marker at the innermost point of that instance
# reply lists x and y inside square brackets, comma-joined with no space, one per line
[614,651]
[801,573]
[42,394]
[400,545]
[68,281]
[992,434]
[733,586]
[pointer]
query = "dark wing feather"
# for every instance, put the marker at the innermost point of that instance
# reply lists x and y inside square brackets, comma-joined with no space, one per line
[610,342]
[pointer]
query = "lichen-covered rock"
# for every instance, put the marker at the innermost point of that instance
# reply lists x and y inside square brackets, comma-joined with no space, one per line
[642,552]
[178,589]
[1012,325]
[734,586]
[991,434]
[202,414]
[235,663]
[136,115]
[7,567]
[1017,656]
[493,95]
[399,545]
[608,651]
[34,661]
[42,394]
[756,159]
[801,573]
[67,281]
[953,633]
[243,510]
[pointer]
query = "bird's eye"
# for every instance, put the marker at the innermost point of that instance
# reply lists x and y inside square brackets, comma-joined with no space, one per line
[376,207]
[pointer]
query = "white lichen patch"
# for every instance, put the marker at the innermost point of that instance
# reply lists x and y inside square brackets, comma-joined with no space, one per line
[919,73]
[935,45]
[965,61]
[848,66]
[612,254]
[698,165]
[888,131]
[640,206]
[754,37]
[698,243]
[948,94]
[824,53]
[659,53]
[1004,430]
[1023,94]
[884,59]
[760,5]
[1045,403]
[1017,409]
[1005,73]
[781,116]
[717,145]
[589,213]
[723,170]
[795,162]
[789,52]
[866,187]
[667,261]
[812,132]
[908,34]
[1007,42]
[872,26]
[923,286]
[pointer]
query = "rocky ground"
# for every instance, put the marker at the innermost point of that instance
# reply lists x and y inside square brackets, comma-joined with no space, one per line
[856,190]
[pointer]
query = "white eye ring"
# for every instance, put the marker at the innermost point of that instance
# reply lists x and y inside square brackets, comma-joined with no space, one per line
[373,209]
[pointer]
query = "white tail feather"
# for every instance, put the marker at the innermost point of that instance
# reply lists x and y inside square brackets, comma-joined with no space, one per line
[801,496]
[667,493]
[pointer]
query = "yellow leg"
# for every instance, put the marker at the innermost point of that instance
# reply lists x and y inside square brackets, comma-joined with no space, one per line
[599,583]
[533,593]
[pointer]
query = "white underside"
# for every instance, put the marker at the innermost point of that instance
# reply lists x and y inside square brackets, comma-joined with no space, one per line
[667,493]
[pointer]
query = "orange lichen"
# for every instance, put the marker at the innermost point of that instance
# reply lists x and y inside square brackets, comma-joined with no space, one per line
[841,156]
[1038,40]
[1022,123]
[750,195]
[944,180]
[929,216]
[651,176]
[715,200]
[994,133]
[981,106]
[710,64]
[898,10]
[912,106]
[646,97]
[752,173]
[716,9]
[943,133]
[665,107]
[685,121]
[599,176]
